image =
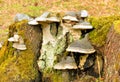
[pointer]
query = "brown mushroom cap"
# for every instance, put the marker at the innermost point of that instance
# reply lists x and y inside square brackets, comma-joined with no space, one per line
[69,63]
[81,46]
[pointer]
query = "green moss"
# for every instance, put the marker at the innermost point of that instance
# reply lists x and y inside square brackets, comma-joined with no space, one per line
[54,76]
[101,25]
[117,26]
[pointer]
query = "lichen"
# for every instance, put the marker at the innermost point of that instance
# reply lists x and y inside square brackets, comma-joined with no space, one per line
[102,26]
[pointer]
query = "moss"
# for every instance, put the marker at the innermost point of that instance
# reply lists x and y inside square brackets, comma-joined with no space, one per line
[54,76]
[101,25]
[117,26]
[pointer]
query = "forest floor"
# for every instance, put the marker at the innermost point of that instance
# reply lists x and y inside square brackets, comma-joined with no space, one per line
[9,8]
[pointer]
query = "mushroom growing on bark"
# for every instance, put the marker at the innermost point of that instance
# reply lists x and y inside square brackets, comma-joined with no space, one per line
[20,45]
[45,24]
[69,63]
[85,26]
[68,21]
[33,22]
[14,38]
[82,46]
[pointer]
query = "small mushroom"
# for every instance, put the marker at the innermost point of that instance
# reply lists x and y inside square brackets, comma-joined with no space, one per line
[43,18]
[83,26]
[33,22]
[70,18]
[14,38]
[20,45]
[68,21]
[84,14]
[69,63]
[81,46]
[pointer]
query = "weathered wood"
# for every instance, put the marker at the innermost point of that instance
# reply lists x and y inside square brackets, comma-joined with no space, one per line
[112,57]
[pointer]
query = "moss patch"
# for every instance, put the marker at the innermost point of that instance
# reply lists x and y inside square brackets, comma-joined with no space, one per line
[101,25]
[117,26]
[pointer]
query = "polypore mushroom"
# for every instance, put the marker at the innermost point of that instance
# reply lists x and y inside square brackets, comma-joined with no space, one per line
[81,46]
[82,15]
[43,18]
[52,19]
[14,38]
[83,26]
[20,45]
[69,63]
[44,21]
[70,18]
[68,21]
[33,22]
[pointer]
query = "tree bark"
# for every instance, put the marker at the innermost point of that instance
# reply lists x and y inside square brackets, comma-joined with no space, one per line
[112,57]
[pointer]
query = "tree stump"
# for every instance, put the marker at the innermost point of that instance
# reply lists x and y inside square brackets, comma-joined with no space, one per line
[21,66]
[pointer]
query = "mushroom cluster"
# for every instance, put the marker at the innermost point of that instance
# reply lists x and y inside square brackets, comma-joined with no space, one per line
[76,24]
[18,42]
[45,21]
[83,47]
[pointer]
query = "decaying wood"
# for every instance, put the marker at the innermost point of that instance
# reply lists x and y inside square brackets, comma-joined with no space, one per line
[112,57]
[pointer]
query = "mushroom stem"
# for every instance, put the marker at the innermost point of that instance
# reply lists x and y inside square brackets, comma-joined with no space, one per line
[47,37]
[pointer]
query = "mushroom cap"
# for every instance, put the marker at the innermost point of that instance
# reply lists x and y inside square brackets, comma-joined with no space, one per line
[19,46]
[43,17]
[53,19]
[70,18]
[84,13]
[11,39]
[83,25]
[33,22]
[69,63]
[81,46]
[21,16]
[14,38]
